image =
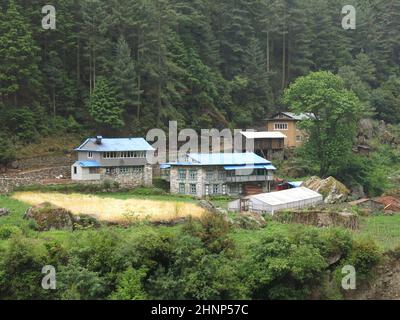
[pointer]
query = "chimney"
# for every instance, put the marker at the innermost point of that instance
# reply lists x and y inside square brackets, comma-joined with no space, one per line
[98,139]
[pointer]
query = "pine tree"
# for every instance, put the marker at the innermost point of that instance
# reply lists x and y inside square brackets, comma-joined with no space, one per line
[104,107]
[259,95]
[124,77]
[19,72]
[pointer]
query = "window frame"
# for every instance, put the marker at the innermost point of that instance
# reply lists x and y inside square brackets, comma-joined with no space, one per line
[281,126]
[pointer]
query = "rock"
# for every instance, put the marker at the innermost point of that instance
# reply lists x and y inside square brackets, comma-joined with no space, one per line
[365,131]
[207,205]
[4,212]
[50,217]
[250,221]
[332,190]
[357,191]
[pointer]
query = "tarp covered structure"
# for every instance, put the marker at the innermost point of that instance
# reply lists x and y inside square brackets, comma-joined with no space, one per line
[296,198]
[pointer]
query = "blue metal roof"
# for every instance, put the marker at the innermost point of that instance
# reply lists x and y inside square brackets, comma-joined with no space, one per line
[87,164]
[222,159]
[115,144]
[295,184]
[227,158]
[247,167]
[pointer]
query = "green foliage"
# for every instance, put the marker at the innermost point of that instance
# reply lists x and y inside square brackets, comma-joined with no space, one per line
[130,285]
[212,229]
[104,107]
[7,151]
[8,231]
[19,72]
[337,111]
[20,270]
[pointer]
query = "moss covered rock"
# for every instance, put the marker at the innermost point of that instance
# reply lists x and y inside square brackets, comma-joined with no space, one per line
[331,189]
[50,217]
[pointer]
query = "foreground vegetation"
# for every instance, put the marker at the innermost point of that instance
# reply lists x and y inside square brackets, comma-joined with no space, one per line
[200,259]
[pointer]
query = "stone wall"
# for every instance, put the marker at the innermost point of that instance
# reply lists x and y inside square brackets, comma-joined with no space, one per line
[40,176]
[44,162]
[129,180]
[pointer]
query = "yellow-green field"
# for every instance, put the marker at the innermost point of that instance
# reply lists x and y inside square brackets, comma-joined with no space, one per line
[114,210]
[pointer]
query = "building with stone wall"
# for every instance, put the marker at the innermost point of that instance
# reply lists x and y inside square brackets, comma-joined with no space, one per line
[122,160]
[203,175]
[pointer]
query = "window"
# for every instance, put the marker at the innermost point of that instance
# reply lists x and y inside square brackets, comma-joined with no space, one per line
[182,174]
[110,170]
[281,126]
[221,175]
[93,170]
[216,189]
[299,138]
[90,155]
[193,189]
[182,188]
[193,174]
[75,170]
[124,170]
[210,175]
[124,154]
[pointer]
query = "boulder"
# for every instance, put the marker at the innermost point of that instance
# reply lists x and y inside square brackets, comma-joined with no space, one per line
[250,221]
[332,190]
[50,217]
[4,212]
[207,205]
[357,191]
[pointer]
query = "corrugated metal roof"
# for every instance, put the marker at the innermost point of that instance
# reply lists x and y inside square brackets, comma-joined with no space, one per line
[87,164]
[227,158]
[286,196]
[263,135]
[115,144]
[301,116]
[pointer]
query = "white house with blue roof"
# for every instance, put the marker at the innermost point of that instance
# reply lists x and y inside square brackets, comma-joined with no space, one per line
[123,160]
[202,175]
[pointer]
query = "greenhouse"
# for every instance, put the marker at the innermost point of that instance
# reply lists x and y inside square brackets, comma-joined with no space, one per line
[295,198]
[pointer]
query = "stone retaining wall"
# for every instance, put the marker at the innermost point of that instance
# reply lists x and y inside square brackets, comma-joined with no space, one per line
[8,183]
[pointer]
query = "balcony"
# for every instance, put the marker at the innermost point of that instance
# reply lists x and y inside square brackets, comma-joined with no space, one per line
[249,178]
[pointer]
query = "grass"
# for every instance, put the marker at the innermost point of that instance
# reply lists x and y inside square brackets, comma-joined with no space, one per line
[17,210]
[48,146]
[111,209]
[385,230]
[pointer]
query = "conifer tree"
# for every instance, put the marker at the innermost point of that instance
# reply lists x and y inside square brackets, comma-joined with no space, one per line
[104,107]
[19,72]
[124,77]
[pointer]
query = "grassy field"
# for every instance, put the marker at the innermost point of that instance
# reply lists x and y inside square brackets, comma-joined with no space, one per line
[114,209]
[385,230]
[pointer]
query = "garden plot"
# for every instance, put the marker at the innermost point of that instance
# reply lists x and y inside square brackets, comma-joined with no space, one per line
[114,210]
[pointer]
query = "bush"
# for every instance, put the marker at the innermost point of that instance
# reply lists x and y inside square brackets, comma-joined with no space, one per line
[7,231]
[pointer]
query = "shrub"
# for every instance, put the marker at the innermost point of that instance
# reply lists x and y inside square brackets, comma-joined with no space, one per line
[7,231]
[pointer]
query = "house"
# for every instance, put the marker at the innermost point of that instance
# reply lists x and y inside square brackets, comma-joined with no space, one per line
[287,123]
[267,144]
[272,202]
[204,174]
[123,160]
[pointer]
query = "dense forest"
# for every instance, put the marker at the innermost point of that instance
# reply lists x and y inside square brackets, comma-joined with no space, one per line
[123,66]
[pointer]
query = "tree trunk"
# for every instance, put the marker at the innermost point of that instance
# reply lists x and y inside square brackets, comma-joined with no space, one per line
[268,54]
[139,79]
